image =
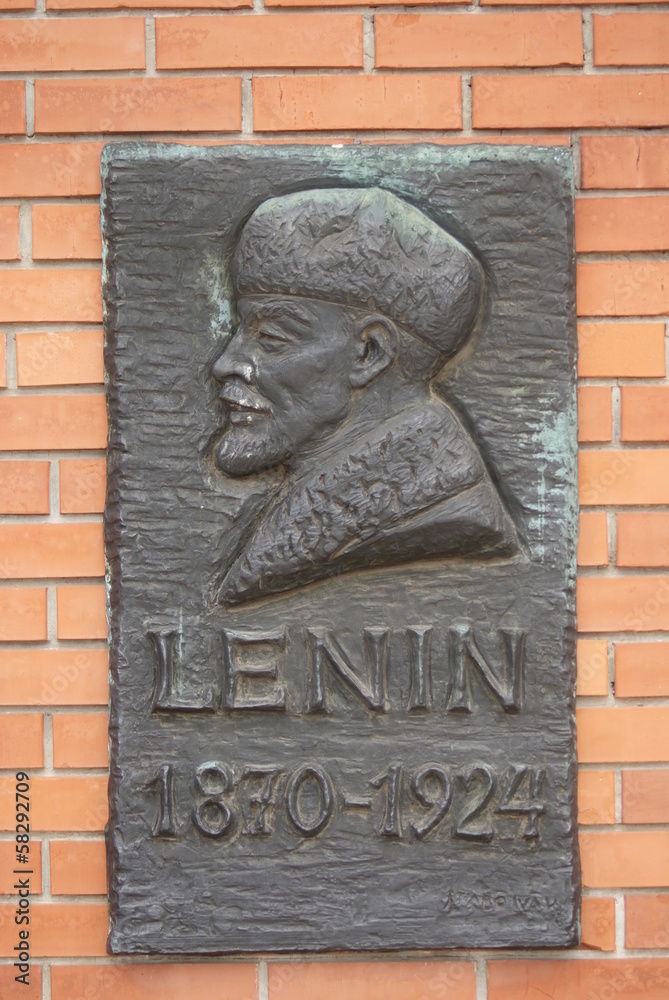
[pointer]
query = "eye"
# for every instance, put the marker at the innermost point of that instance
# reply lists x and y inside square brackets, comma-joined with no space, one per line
[272,338]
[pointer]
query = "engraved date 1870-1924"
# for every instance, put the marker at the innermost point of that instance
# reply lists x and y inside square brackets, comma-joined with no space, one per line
[230,801]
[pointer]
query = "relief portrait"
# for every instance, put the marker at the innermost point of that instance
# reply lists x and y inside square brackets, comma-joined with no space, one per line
[349,302]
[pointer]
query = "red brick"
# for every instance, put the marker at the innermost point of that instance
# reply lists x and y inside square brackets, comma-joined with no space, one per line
[138,104]
[645,796]
[625,161]
[59,804]
[624,477]
[592,669]
[73,44]
[621,350]
[22,614]
[59,422]
[372,980]
[72,357]
[562,3]
[53,676]
[597,979]
[24,487]
[450,40]
[82,486]
[59,929]
[594,413]
[50,169]
[642,669]
[636,39]
[625,859]
[3,361]
[647,921]
[628,735]
[33,991]
[80,740]
[158,4]
[12,107]
[17,5]
[645,413]
[81,612]
[66,232]
[383,101]
[570,101]
[623,604]
[171,981]
[9,232]
[50,295]
[643,540]
[247,40]
[598,923]
[593,541]
[623,287]
[622,224]
[51,550]
[78,867]
[596,798]
[22,741]
[8,878]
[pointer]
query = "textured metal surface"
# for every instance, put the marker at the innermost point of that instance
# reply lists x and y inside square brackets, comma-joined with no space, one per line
[340,533]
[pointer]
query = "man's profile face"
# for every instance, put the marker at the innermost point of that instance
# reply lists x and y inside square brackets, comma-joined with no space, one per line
[285,380]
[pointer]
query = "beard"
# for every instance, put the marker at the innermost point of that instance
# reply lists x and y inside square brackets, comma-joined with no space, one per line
[246,450]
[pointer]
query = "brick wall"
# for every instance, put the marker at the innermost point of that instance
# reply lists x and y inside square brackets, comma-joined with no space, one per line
[74,72]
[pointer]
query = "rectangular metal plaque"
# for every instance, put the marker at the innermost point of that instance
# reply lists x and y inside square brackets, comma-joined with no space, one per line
[341,532]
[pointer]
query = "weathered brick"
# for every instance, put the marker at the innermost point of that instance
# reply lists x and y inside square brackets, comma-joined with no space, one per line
[61,804]
[593,541]
[171,981]
[32,423]
[22,614]
[443,41]
[625,859]
[647,921]
[637,39]
[642,669]
[53,169]
[382,101]
[81,612]
[645,413]
[645,796]
[53,676]
[592,671]
[570,101]
[628,735]
[24,487]
[74,44]
[66,232]
[82,485]
[621,350]
[50,296]
[138,104]
[51,550]
[640,222]
[246,40]
[9,232]
[596,798]
[22,741]
[12,107]
[595,421]
[643,539]
[638,476]
[598,923]
[72,357]
[622,288]
[80,740]
[625,161]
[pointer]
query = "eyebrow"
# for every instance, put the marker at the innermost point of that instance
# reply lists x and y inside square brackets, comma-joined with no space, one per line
[278,310]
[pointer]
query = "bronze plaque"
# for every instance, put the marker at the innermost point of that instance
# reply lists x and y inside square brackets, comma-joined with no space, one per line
[341,530]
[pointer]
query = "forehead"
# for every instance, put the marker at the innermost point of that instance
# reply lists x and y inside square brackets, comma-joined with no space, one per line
[302,314]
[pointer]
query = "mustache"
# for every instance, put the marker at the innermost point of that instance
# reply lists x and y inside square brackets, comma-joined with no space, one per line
[238,396]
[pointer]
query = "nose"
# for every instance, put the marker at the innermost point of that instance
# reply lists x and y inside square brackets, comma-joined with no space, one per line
[235,359]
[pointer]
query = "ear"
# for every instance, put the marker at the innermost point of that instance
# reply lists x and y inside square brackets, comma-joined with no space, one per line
[376,341]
